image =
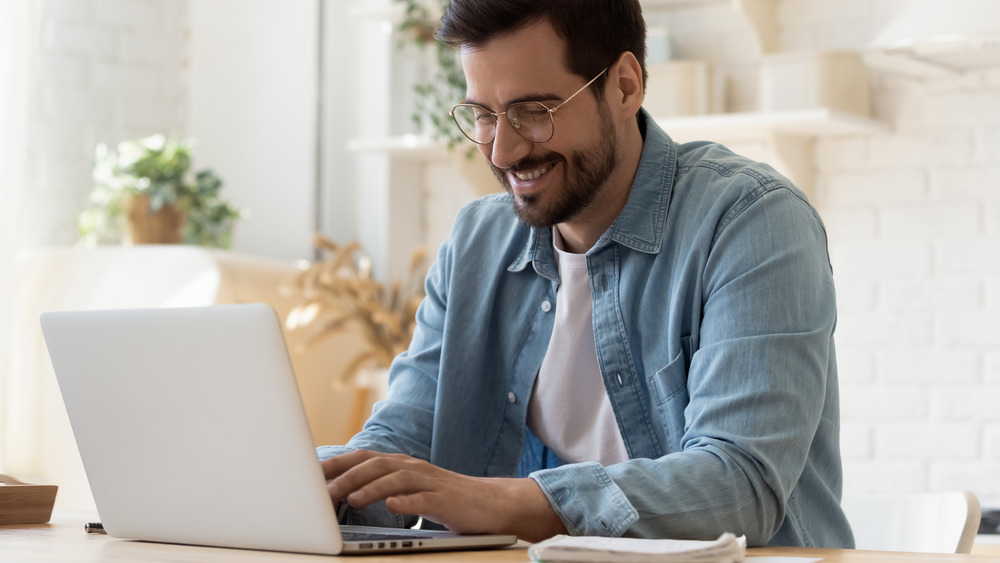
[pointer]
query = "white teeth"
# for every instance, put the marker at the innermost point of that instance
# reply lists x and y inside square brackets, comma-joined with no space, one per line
[528,176]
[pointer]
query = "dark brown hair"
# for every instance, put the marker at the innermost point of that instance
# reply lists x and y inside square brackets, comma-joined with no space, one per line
[597,32]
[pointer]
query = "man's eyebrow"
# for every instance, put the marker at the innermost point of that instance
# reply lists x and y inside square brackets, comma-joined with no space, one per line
[526,98]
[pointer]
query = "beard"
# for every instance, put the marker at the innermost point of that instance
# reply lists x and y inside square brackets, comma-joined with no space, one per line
[584,180]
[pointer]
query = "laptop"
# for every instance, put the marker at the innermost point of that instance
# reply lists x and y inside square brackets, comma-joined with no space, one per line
[192,431]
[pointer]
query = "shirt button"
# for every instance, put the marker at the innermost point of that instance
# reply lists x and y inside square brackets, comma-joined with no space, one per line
[511,397]
[546,306]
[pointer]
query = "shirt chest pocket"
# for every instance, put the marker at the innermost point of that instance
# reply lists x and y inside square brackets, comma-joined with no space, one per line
[670,395]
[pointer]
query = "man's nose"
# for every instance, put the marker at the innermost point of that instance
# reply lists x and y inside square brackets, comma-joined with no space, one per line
[508,145]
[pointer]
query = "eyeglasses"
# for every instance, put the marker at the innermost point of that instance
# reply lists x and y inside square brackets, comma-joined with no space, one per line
[531,120]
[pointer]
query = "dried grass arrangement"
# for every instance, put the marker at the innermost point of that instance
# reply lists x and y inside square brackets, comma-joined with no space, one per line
[339,293]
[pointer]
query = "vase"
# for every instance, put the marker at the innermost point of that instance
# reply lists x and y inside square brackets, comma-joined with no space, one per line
[143,226]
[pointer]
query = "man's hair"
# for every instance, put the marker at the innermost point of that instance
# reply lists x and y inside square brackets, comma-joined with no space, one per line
[597,32]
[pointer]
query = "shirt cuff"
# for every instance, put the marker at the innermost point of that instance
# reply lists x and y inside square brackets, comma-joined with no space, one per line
[587,500]
[326,452]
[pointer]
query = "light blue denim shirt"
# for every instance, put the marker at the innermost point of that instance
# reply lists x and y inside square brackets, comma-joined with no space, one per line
[714,315]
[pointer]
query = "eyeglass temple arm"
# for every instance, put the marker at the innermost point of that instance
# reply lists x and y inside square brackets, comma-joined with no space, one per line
[582,88]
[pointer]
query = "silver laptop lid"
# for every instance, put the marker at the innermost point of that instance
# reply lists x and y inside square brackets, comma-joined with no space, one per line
[191,428]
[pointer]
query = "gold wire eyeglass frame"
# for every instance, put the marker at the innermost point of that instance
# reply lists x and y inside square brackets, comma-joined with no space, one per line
[515,123]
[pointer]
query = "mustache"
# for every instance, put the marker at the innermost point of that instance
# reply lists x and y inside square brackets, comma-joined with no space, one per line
[526,164]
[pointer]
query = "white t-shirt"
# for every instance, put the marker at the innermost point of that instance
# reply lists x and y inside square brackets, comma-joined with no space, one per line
[569,409]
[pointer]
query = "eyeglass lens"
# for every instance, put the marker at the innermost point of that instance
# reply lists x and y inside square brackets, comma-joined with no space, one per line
[531,120]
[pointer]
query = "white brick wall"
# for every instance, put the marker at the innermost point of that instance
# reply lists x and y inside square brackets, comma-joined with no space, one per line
[106,71]
[914,231]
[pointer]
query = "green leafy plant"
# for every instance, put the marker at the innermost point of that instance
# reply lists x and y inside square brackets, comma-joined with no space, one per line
[156,169]
[435,97]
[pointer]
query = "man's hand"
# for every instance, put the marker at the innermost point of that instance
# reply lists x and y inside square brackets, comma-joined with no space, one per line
[463,504]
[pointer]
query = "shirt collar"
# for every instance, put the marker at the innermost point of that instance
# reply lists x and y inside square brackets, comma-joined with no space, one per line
[640,225]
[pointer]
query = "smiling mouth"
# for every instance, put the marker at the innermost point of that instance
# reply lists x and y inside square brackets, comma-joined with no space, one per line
[533,174]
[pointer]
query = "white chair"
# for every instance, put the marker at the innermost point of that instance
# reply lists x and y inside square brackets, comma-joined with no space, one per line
[926,522]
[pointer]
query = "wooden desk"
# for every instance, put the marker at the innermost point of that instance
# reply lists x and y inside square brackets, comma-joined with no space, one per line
[64,540]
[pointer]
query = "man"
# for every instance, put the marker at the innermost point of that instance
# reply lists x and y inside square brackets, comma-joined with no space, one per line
[636,339]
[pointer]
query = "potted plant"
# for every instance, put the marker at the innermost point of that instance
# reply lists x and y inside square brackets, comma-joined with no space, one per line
[446,87]
[144,194]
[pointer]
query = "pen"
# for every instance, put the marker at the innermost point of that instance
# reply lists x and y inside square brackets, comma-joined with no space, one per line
[94,528]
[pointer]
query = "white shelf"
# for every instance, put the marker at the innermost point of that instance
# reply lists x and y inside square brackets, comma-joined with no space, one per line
[907,63]
[781,131]
[762,15]
[808,123]
[408,147]
[786,134]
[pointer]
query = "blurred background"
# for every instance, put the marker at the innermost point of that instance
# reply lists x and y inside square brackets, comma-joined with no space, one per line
[886,112]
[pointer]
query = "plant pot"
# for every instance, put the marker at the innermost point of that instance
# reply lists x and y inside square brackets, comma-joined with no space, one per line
[162,226]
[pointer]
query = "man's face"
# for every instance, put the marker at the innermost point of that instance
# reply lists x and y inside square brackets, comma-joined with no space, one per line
[551,182]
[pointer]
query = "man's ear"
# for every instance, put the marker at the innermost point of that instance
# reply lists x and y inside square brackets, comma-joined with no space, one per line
[626,80]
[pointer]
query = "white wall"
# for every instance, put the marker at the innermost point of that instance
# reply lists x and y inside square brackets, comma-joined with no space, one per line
[913,214]
[252,88]
[97,71]
[18,32]
[342,117]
